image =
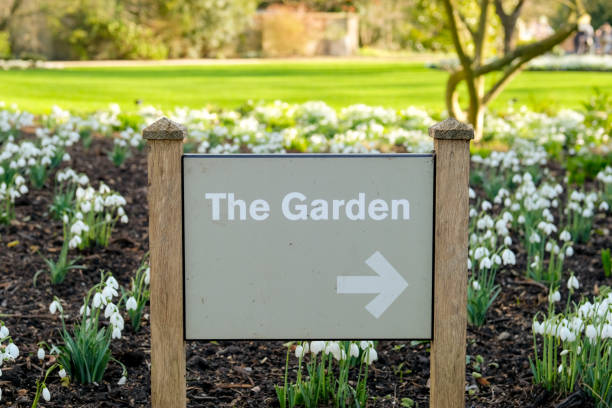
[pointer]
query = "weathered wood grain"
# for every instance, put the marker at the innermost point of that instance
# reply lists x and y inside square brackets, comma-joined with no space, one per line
[168,384]
[452,152]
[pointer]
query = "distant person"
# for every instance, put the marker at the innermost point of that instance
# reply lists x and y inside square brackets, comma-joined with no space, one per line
[605,39]
[583,41]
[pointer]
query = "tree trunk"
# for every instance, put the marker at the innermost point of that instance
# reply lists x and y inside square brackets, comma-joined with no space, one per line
[452,96]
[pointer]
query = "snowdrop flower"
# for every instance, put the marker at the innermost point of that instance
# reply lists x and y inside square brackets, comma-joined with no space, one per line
[122,380]
[54,307]
[116,333]
[333,348]
[112,282]
[508,257]
[12,351]
[555,296]
[4,332]
[591,332]
[564,333]
[131,304]
[572,283]
[316,347]
[62,373]
[40,354]
[371,356]
[486,205]
[110,309]
[108,293]
[86,206]
[79,227]
[74,242]
[469,264]
[354,350]
[606,331]
[604,206]
[496,259]
[485,263]
[116,320]
[507,240]
[366,344]
[46,394]
[538,328]
[85,310]
[147,276]
[124,219]
[476,285]
[521,219]
[569,251]
[534,238]
[565,236]
[472,193]
[97,300]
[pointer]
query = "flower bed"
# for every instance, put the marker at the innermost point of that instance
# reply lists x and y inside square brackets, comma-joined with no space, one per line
[73,202]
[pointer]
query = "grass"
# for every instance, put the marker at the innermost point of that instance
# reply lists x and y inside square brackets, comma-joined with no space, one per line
[339,83]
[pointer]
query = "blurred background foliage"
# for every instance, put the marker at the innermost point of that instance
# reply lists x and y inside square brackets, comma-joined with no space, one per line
[157,29]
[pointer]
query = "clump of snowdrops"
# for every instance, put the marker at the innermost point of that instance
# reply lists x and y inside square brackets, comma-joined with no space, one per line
[138,296]
[122,143]
[605,178]
[328,366]
[96,213]
[573,348]
[489,250]
[85,352]
[65,192]
[8,350]
[579,214]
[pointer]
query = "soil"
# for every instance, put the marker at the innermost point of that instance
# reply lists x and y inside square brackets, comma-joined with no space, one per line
[243,374]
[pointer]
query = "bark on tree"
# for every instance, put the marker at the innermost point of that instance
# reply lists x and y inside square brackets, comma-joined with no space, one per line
[473,68]
[4,22]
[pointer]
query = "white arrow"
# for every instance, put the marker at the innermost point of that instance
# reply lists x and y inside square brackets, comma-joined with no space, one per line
[388,284]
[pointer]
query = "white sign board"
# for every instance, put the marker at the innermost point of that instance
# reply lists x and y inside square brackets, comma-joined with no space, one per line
[308,246]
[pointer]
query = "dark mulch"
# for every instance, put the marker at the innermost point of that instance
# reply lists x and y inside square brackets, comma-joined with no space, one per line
[243,374]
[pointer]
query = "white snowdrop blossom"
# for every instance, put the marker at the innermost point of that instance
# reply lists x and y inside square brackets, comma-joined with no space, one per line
[46,394]
[591,332]
[572,283]
[316,347]
[54,307]
[131,304]
[371,356]
[555,296]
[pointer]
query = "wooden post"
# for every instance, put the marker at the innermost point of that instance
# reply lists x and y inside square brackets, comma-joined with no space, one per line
[452,152]
[168,384]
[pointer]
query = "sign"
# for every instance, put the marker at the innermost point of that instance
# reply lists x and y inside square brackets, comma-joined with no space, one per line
[308,246]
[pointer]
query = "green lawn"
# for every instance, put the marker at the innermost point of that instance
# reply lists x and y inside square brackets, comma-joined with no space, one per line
[337,82]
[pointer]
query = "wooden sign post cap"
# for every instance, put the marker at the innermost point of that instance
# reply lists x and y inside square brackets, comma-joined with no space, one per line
[451,129]
[164,129]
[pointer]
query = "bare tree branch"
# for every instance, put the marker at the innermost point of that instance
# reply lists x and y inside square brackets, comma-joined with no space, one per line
[481,32]
[467,24]
[508,21]
[12,11]
[465,61]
